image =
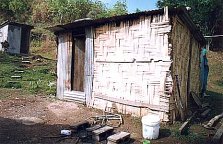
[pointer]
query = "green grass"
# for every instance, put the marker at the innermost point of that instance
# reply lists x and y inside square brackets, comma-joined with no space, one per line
[215,81]
[37,77]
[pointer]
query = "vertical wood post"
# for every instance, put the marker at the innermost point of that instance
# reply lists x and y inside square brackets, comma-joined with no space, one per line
[89,57]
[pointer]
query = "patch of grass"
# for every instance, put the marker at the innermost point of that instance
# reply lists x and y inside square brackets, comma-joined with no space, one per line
[43,43]
[215,77]
[37,77]
[190,137]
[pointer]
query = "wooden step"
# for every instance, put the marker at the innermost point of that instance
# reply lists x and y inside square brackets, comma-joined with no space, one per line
[119,138]
[80,126]
[102,133]
[95,127]
[16,76]
[91,129]
[18,71]
[26,62]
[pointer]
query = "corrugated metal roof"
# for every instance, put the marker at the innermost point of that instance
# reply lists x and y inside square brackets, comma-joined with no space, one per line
[181,12]
[15,24]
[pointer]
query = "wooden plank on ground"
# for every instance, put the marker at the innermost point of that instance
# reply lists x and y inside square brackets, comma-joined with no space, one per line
[205,113]
[17,71]
[196,99]
[218,137]
[102,133]
[119,138]
[27,62]
[210,124]
[205,105]
[80,126]
[185,125]
[16,76]
[90,129]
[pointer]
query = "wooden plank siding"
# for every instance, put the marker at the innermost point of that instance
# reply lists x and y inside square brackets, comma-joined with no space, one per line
[132,63]
[185,64]
[64,64]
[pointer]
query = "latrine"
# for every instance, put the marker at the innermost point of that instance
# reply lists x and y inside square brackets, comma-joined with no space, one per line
[131,62]
[17,35]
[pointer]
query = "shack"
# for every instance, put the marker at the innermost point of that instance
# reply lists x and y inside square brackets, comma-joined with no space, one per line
[17,36]
[139,63]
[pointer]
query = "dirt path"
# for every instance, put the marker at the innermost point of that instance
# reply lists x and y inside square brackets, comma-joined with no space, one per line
[16,107]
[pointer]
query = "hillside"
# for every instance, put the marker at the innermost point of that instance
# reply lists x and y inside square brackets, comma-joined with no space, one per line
[33,74]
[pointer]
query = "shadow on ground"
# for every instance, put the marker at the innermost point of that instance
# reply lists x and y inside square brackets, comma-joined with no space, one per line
[13,132]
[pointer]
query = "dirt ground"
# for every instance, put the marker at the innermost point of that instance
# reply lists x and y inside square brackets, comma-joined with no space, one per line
[56,115]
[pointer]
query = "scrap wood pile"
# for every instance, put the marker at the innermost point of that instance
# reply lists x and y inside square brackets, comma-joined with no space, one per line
[97,131]
[202,112]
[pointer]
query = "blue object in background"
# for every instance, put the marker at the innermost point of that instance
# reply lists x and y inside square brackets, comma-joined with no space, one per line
[204,71]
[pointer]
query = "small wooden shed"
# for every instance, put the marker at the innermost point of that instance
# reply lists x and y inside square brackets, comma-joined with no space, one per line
[129,62]
[17,35]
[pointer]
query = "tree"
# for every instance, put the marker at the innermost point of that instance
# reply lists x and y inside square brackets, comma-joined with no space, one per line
[207,14]
[18,10]
[137,10]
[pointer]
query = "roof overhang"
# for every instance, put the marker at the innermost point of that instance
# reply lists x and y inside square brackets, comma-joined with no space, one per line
[16,24]
[181,12]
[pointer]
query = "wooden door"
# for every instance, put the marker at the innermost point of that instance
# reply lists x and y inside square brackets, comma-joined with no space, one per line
[78,60]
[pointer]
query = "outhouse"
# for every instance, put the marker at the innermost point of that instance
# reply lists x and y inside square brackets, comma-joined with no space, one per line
[17,36]
[139,63]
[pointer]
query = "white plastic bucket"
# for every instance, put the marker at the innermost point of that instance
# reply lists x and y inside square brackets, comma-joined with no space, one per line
[150,126]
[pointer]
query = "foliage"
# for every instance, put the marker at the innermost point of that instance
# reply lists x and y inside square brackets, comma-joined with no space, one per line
[51,12]
[205,13]
[15,9]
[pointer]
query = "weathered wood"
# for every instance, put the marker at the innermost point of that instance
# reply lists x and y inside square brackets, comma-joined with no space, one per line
[19,71]
[218,137]
[119,138]
[89,62]
[16,76]
[102,133]
[133,103]
[78,65]
[27,62]
[196,99]
[185,125]
[80,126]
[179,101]
[13,81]
[64,64]
[95,127]
[210,124]
[205,113]
[204,105]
